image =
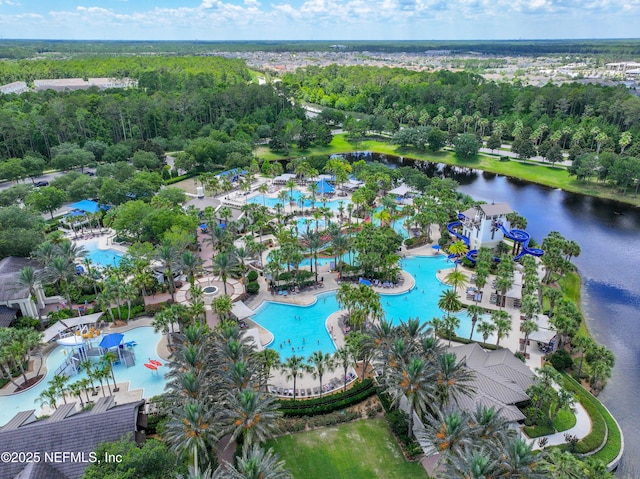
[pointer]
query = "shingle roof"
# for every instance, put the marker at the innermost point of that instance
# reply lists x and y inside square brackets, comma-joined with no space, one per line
[9,269]
[7,316]
[65,431]
[500,381]
[497,209]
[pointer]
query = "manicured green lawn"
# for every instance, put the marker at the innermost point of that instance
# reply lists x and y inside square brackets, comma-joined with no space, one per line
[362,449]
[565,420]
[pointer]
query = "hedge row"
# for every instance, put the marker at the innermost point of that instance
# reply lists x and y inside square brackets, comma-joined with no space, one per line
[598,435]
[178,179]
[330,403]
[604,420]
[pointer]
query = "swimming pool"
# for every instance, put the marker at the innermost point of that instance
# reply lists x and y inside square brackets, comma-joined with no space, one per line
[290,324]
[102,257]
[333,205]
[138,376]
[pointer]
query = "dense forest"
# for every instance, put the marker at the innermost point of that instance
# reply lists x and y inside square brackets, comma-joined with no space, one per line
[620,48]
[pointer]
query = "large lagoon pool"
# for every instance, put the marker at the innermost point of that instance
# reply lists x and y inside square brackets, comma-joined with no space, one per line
[138,376]
[301,330]
[333,205]
[102,257]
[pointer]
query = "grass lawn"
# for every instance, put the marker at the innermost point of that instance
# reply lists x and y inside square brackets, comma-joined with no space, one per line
[565,421]
[363,449]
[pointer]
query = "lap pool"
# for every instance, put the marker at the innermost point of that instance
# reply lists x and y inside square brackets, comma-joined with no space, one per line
[138,376]
[301,329]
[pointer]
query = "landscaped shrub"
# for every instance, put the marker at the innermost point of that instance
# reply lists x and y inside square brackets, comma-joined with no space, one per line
[561,360]
[26,322]
[329,403]
[253,287]
[252,275]
[408,242]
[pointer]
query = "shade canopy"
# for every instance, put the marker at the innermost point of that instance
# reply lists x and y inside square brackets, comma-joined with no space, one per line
[111,340]
[324,187]
[87,206]
[366,282]
[241,310]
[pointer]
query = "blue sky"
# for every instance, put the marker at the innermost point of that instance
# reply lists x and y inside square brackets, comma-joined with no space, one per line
[318,19]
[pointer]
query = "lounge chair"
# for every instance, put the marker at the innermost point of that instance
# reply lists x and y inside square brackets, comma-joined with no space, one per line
[308,392]
[285,293]
[316,391]
[301,392]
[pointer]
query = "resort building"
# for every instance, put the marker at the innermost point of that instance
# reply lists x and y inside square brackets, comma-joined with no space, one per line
[68,431]
[501,380]
[64,84]
[16,296]
[16,87]
[481,224]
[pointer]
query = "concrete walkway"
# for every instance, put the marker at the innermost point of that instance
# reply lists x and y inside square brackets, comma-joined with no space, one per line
[580,430]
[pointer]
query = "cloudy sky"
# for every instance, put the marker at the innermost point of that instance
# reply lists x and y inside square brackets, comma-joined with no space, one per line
[318,19]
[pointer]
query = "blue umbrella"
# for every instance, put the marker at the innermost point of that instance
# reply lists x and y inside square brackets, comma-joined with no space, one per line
[435,246]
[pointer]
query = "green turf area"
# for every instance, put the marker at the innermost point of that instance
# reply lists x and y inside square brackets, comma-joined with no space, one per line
[565,420]
[363,449]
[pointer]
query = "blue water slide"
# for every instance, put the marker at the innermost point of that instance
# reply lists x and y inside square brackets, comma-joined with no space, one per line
[471,255]
[523,237]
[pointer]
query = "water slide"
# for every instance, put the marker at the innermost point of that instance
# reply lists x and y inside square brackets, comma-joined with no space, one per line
[520,236]
[471,255]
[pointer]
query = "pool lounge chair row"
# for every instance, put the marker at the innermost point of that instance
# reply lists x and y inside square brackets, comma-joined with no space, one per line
[331,385]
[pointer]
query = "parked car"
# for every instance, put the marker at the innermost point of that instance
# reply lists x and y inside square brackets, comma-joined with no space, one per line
[38,184]
[90,173]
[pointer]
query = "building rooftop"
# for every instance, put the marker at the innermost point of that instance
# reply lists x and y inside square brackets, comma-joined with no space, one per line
[10,266]
[501,380]
[65,430]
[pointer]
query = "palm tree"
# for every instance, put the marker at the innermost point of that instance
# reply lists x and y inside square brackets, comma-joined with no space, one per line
[459,248]
[294,367]
[163,321]
[108,359]
[344,358]
[268,359]
[414,381]
[223,265]
[449,325]
[255,463]
[61,272]
[486,329]
[456,279]
[191,430]
[191,264]
[167,255]
[502,321]
[222,306]
[453,379]
[87,366]
[449,303]
[320,364]
[28,278]
[527,327]
[252,415]
[471,464]
[60,386]
[474,312]
[76,389]
[48,397]
[520,461]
